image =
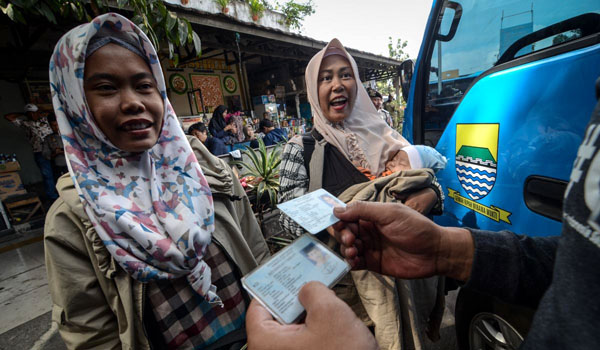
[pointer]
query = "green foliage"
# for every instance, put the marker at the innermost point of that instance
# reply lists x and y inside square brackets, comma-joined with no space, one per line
[152,16]
[222,3]
[257,7]
[264,167]
[566,36]
[295,13]
[386,87]
[397,52]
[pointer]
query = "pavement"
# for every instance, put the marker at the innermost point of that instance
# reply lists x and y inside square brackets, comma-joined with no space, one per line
[25,303]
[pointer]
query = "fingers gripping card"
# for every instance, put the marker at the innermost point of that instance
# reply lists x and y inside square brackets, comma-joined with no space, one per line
[313,211]
[277,282]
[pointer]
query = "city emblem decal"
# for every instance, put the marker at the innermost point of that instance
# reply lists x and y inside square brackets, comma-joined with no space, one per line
[476,168]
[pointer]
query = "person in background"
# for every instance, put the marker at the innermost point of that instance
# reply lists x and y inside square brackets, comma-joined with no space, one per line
[389,105]
[266,115]
[235,119]
[220,129]
[54,149]
[273,135]
[214,145]
[377,100]
[249,136]
[255,122]
[36,128]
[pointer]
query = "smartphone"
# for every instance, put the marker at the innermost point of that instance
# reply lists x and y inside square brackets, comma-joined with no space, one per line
[276,283]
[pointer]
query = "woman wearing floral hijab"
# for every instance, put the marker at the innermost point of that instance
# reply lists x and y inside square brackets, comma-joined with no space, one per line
[139,253]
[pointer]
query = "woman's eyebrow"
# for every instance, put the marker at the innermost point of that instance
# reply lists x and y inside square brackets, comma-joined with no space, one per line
[345,68]
[108,76]
[100,76]
[142,75]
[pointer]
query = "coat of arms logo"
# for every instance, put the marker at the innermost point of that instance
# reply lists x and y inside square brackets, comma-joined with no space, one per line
[477,158]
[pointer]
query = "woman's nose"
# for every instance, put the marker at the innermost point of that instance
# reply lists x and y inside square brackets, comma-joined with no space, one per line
[337,85]
[131,103]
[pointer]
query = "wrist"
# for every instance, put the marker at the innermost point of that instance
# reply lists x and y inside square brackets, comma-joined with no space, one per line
[456,253]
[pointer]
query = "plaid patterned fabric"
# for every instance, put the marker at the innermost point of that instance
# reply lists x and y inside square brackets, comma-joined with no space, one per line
[186,320]
[293,183]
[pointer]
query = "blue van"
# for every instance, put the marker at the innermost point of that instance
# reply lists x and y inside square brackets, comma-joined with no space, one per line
[504,89]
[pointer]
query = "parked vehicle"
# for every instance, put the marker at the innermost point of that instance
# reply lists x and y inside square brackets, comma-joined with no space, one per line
[504,89]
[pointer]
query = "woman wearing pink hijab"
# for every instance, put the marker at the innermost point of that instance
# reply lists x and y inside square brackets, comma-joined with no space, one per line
[348,141]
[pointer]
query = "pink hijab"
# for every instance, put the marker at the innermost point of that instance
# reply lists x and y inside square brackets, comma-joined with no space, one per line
[364,138]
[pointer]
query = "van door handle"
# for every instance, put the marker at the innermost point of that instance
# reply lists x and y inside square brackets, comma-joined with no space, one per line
[544,196]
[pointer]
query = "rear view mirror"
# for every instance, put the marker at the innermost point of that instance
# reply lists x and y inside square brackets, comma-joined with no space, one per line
[406,73]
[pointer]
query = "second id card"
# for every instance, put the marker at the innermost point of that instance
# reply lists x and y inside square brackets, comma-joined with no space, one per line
[277,282]
[313,211]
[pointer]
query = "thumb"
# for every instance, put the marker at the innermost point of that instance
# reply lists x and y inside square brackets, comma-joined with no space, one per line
[313,294]
[375,212]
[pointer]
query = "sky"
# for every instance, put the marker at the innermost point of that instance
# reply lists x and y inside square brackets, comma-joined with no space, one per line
[366,25]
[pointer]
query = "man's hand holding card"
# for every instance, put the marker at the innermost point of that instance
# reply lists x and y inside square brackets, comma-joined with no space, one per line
[276,283]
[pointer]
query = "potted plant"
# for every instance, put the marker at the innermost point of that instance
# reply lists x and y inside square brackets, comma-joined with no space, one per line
[256,9]
[261,178]
[223,4]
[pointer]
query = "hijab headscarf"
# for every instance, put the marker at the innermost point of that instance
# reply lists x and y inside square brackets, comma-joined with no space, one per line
[153,210]
[365,139]
[217,121]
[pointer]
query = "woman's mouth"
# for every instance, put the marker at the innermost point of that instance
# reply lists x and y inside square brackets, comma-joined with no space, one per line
[339,103]
[136,125]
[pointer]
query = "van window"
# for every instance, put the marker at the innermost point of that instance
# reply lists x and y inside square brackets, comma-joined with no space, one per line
[485,31]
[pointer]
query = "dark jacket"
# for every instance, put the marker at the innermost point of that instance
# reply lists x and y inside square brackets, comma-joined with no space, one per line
[274,137]
[217,124]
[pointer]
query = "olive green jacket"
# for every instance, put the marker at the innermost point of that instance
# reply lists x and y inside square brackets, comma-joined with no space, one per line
[96,304]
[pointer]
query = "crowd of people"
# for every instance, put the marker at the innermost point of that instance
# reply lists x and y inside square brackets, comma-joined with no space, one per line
[225,129]
[151,232]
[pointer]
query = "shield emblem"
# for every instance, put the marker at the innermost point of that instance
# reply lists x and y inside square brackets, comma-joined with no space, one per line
[477,158]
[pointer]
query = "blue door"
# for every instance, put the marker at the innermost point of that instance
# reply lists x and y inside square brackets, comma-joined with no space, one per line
[504,89]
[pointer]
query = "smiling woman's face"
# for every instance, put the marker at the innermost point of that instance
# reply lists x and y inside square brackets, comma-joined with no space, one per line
[123,97]
[337,88]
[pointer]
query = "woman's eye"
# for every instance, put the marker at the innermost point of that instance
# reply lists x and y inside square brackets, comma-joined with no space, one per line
[325,78]
[145,86]
[105,87]
[347,75]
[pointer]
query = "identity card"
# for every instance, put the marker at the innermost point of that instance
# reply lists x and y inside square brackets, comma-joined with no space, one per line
[276,283]
[313,211]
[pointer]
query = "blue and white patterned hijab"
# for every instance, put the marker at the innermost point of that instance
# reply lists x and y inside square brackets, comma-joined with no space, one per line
[153,210]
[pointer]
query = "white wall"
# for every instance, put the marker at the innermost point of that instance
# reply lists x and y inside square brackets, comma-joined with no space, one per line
[237,9]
